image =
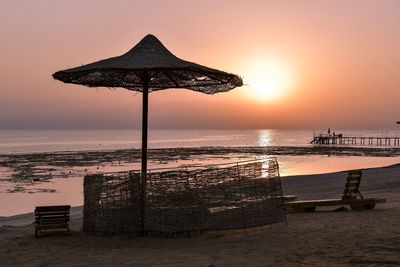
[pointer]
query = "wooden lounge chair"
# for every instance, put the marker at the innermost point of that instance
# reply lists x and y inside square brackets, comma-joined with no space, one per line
[351,191]
[351,197]
[52,218]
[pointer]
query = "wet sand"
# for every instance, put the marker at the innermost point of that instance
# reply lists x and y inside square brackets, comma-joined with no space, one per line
[325,238]
[32,169]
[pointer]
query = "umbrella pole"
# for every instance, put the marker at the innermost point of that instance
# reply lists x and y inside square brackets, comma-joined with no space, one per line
[144,148]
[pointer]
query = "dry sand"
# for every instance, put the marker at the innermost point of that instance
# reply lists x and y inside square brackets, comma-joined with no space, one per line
[347,238]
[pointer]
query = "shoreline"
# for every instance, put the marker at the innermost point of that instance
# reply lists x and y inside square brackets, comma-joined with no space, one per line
[90,158]
[55,178]
[290,187]
[283,150]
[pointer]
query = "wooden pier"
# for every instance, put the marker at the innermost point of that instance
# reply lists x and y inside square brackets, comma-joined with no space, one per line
[339,139]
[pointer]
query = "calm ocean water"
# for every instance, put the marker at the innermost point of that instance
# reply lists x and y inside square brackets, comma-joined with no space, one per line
[20,141]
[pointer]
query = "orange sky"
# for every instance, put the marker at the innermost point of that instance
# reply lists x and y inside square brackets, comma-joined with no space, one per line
[342,59]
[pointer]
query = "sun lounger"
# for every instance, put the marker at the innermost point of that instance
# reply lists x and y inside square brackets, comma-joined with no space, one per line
[351,191]
[52,218]
[352,197]
[311,205]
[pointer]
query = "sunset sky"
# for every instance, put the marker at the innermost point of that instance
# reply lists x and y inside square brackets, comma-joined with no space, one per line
[306,64]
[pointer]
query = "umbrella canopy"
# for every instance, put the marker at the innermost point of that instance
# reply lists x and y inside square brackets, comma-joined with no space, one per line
[148,67]
[163,68]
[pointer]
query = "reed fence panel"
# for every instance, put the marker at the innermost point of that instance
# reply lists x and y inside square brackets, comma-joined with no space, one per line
[220,197]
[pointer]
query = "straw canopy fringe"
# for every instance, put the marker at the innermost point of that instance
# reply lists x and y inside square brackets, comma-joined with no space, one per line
[163,69]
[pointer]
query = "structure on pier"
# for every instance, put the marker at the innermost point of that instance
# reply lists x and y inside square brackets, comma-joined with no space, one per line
[340,139]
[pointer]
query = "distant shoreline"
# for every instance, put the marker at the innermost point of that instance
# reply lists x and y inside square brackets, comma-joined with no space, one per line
[276,150]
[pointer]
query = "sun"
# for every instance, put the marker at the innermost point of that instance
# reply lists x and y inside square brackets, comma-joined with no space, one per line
[267,79]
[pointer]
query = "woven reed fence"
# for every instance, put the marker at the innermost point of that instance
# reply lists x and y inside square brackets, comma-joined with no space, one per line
[221,197]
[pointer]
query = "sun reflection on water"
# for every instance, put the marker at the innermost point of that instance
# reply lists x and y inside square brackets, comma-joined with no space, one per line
[264,138]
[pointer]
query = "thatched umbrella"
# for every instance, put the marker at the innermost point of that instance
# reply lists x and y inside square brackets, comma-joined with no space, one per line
[149,67]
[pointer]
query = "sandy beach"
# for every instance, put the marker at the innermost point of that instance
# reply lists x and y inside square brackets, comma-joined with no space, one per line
[322,238]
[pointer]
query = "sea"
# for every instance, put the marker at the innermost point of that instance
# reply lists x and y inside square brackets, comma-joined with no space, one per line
[69,190]
[32,141]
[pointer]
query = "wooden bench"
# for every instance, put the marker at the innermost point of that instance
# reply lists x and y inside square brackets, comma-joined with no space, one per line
[52,218]
[351,197]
